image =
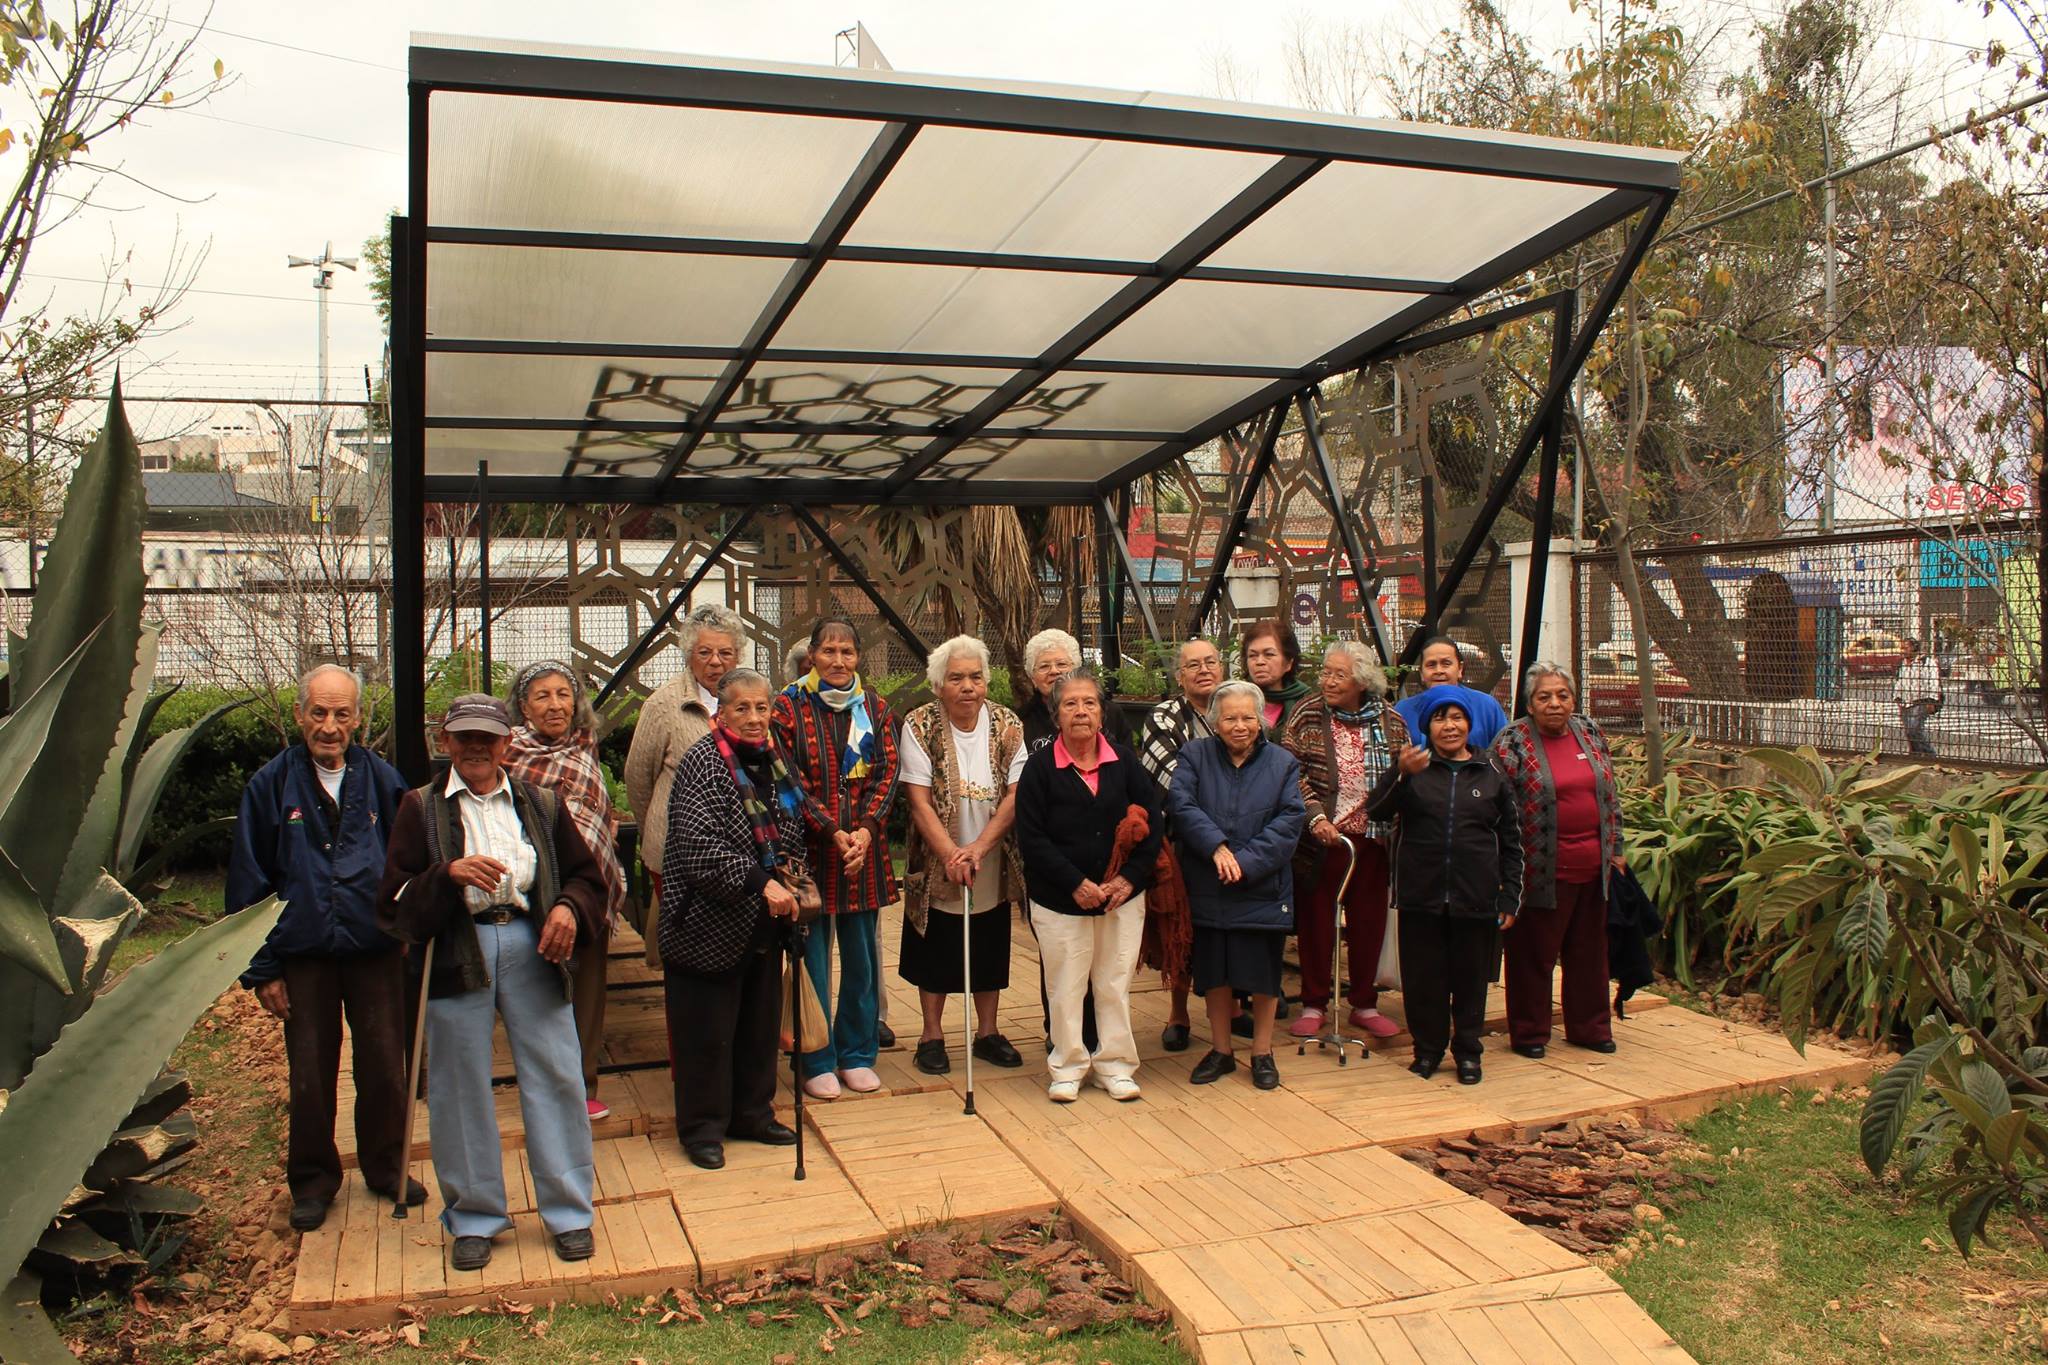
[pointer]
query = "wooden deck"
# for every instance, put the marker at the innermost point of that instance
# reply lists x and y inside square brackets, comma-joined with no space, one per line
[1274,1226]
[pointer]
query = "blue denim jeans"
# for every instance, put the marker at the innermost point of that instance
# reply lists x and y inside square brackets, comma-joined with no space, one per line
[469,1161]
[855,1036]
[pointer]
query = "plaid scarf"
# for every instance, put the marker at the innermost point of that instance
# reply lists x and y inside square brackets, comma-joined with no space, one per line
[568,767]
[860,730]
[760,820]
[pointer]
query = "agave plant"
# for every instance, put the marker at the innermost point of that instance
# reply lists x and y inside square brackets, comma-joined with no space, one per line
[77,787]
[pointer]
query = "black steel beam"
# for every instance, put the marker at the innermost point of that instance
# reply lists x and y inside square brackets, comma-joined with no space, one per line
[1108,619]
[1555,391]
[1340,512]
[1244,209]
[741,490]
[867,179]
[483,569]
[830,95]
[785,355]
[1141,586]
[903,629]
[1546,496]
[657,426]
[1491,320]
[674,604]
[1226,546]
[518,238]
[1365,348]
[409,464]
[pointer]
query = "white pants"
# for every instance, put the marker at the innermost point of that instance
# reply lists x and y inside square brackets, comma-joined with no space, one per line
[1080,951]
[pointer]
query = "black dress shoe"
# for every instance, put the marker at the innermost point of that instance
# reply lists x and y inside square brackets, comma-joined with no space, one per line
[996,1050]
[1533,1051]
[470,1253]
[1242,1026]
[931,1057]
[1606,1047]
[885,1036]
[1174,1037]
[709,1155]
[1425,1067]
[574,1245]
[770,1134]
[415,1193]
[308,1214]
[1468,1071]
[1212,1067]
[1265,1074]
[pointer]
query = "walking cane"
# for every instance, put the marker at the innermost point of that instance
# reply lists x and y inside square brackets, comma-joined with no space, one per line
[793,944]
[412,1085]
[967,987]
[1336,1033]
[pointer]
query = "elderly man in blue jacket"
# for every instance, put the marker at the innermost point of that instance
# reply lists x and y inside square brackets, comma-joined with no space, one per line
[313,827]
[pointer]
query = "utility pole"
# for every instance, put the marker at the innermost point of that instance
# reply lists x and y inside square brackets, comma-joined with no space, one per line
[324,267]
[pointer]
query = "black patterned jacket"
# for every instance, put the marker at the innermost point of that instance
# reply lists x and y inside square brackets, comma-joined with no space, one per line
[712,911]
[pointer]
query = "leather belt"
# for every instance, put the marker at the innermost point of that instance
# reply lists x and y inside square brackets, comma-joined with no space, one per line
[498,914]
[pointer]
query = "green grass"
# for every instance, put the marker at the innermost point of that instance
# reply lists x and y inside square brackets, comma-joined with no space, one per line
[1797,1255]
[192,899]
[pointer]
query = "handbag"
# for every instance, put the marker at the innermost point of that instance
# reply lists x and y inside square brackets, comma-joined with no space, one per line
[796,878]
[815,1029]
[1387,976]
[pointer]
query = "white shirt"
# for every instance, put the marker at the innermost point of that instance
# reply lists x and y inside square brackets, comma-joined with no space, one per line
[974,804]
[707,700]
[330,778]
[491,829]
[1919,680]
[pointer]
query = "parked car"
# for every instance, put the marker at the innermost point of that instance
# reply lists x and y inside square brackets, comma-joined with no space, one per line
[1611,685]
[1874,654]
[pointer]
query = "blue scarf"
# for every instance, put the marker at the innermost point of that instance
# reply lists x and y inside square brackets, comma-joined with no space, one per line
[860,733]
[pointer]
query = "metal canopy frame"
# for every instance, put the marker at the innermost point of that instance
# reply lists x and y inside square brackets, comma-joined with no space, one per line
[1624,184]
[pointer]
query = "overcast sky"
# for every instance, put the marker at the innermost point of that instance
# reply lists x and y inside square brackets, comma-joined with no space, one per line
[306,146]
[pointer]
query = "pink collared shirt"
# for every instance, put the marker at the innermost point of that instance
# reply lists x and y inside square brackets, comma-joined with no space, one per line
[1092,776]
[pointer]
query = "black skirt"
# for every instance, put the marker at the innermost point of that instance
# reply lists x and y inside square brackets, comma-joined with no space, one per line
[1245,960]
[931,961]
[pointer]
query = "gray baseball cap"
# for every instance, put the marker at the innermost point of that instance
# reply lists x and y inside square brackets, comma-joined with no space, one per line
[477,711]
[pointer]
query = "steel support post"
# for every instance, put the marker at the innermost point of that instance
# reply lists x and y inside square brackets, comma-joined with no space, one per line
[643,645]
[1107,636]
[903,630]
[408,478]
[1546,497]
[483,570]
[1234,532]
[1130,568]
[1340,513]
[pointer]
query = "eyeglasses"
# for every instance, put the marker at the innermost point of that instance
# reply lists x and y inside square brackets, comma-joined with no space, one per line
[1201,665]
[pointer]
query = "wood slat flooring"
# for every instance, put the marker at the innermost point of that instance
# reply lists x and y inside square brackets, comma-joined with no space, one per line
[1276,1226]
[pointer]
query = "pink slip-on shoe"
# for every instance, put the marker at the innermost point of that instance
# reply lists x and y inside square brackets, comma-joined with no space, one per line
[1375,1023]
[1307,1024]
[598,1110]
[861,1080]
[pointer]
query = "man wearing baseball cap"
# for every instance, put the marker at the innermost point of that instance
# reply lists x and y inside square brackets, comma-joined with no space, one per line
[493,874]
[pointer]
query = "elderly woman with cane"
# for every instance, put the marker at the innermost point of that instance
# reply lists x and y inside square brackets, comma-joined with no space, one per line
[490,873]
[1088,826]
[840,742]
[731,877]
[1570,810]
[1237,812]
[555,748]
[961,758]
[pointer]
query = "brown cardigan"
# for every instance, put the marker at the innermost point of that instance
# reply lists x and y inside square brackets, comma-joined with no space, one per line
[418,901]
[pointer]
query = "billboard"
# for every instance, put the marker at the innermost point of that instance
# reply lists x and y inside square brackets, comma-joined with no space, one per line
[1920,434]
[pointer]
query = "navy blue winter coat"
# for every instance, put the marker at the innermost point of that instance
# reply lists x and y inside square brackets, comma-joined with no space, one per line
[327,878]
[1256,809]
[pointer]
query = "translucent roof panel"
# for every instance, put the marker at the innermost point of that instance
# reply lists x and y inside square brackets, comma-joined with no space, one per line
[796,391]
[1217,321]
[621,297]
[970,189]
[598,166]
[873,306]
[839,279]
[1323,226]
[562,387]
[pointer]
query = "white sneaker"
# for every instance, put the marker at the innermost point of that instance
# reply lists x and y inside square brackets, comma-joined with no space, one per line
[1063,1092]
[861,1080]
[822,1087]
[1119,1087]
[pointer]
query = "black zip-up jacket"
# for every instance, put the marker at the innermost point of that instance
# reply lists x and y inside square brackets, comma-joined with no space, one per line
[1458,845]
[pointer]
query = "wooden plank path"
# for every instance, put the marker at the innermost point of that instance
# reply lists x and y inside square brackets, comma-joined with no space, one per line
[1275,1226]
